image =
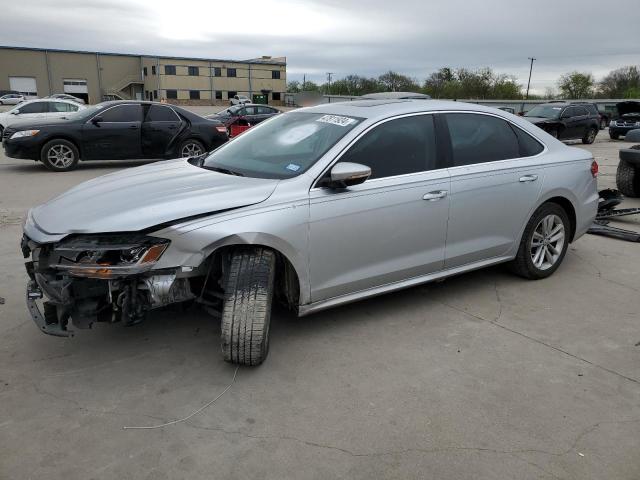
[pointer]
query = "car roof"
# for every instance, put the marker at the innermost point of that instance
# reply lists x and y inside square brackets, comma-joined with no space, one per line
[53,100]
[395,95]
[374,109]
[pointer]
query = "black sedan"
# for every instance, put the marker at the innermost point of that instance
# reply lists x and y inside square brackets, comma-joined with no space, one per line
[114,131]
[248,114]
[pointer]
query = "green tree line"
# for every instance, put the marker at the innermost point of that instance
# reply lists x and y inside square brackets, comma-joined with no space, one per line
[484,83]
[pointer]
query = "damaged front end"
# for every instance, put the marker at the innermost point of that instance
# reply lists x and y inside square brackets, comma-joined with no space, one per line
[84,279]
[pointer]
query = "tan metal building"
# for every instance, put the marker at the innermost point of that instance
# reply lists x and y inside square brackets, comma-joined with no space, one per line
[96,76]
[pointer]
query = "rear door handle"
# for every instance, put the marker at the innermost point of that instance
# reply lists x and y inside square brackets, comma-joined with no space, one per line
[433,196]
[528,178]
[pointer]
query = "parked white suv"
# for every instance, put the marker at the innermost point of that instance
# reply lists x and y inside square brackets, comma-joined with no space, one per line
[42,108]
[239,100]
[11,99]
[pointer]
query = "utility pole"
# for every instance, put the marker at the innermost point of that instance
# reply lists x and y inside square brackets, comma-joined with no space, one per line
[304,81]
[329,80]
[530,70]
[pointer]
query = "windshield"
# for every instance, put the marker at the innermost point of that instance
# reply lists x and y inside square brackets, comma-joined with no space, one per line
[281,147]
[544,111]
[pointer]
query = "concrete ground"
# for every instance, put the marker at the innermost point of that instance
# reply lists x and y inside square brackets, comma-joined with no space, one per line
[484,376]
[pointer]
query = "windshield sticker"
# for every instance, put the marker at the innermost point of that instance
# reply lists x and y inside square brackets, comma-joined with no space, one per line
[293,167]
[297,134]
[557,108]
[336,120]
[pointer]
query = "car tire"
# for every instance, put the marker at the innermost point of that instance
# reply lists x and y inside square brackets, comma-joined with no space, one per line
[603,123]
[191,148]
[590,135]
[246,311]
[628,179]
[1,132]
[60,155]
[539,255]
[613,136]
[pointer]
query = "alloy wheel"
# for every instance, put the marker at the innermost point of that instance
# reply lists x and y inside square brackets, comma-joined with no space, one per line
[60,156]
[547,242]
[191,150]
[591,136]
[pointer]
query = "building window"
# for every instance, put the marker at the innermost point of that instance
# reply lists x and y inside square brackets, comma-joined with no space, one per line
[169,69]
[155,94]
[145,71]
[276,95]
[194,71]
[153,69]
[275,74]
[231,72]
[218,95]
[230,95]
[172,94]
[217,72]
[194,94]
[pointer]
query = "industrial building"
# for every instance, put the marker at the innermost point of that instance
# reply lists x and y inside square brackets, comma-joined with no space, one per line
[98,76]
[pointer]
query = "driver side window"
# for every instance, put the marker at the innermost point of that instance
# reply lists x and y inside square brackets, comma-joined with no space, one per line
[397,147]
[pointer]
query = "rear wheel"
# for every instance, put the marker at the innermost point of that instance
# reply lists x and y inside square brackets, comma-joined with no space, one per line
[628,179]
[60,155]
[544,243]
[191,148]
[246,311]
[590,135]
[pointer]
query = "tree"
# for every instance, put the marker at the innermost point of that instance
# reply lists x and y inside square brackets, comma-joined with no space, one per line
[294,87]
[395,82]
[576,85]
[621,83]
[477,84]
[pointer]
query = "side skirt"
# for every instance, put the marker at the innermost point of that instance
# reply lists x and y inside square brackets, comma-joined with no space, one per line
[391,287]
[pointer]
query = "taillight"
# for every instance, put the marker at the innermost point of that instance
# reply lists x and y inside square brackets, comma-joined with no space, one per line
[594,169]
[221,129]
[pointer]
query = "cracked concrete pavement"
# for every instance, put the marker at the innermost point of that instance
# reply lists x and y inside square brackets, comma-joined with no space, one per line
[484,376]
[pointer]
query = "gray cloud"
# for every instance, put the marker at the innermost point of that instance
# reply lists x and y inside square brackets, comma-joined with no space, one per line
[366,37]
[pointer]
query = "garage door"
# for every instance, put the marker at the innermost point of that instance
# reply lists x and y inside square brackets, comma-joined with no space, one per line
[25,85]
[76,87]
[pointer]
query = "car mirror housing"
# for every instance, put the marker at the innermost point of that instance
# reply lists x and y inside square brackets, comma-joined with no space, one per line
[14,112]
[347,174]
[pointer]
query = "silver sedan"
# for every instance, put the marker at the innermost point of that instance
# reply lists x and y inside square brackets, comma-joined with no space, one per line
[313,208]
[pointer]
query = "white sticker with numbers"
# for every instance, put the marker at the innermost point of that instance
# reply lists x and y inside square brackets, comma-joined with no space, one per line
[337,120]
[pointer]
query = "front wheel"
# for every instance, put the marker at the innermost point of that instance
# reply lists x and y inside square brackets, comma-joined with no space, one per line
[590,136]
[191,148]
[246,311]
[543,244]
[60,155]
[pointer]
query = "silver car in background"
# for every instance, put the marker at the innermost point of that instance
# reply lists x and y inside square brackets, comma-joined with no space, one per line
[314,208]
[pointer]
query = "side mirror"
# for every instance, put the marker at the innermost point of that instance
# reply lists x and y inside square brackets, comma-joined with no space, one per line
[347,174]
[14,112]
[96,120]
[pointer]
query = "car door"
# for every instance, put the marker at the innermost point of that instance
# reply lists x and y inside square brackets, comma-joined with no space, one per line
[582,121]
[113,133]
[391,227]
[30,111]
[570,121]
[160,127]
[251,115]
[496,178]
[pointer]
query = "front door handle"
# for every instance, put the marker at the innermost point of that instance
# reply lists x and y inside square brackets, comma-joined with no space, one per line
[433,196]
[528,178]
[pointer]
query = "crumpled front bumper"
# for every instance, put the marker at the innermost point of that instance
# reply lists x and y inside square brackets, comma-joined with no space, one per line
[56,329]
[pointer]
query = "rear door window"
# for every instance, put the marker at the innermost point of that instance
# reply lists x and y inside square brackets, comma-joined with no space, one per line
[478,138]
[158,113]
[397,147]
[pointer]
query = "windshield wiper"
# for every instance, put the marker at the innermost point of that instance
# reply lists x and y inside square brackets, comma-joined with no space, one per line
[226,171]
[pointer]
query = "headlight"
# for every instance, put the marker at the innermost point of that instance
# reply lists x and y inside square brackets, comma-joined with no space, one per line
[637,124]
[24,133]
[613,123]
[108,255]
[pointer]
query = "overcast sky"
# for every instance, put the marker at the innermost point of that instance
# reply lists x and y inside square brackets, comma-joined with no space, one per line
[366,37]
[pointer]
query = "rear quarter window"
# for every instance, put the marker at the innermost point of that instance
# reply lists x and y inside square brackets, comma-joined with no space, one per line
[528,145]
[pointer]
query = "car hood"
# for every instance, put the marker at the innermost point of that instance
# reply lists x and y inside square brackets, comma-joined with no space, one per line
[143,197]
[24,123]
[625,108]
